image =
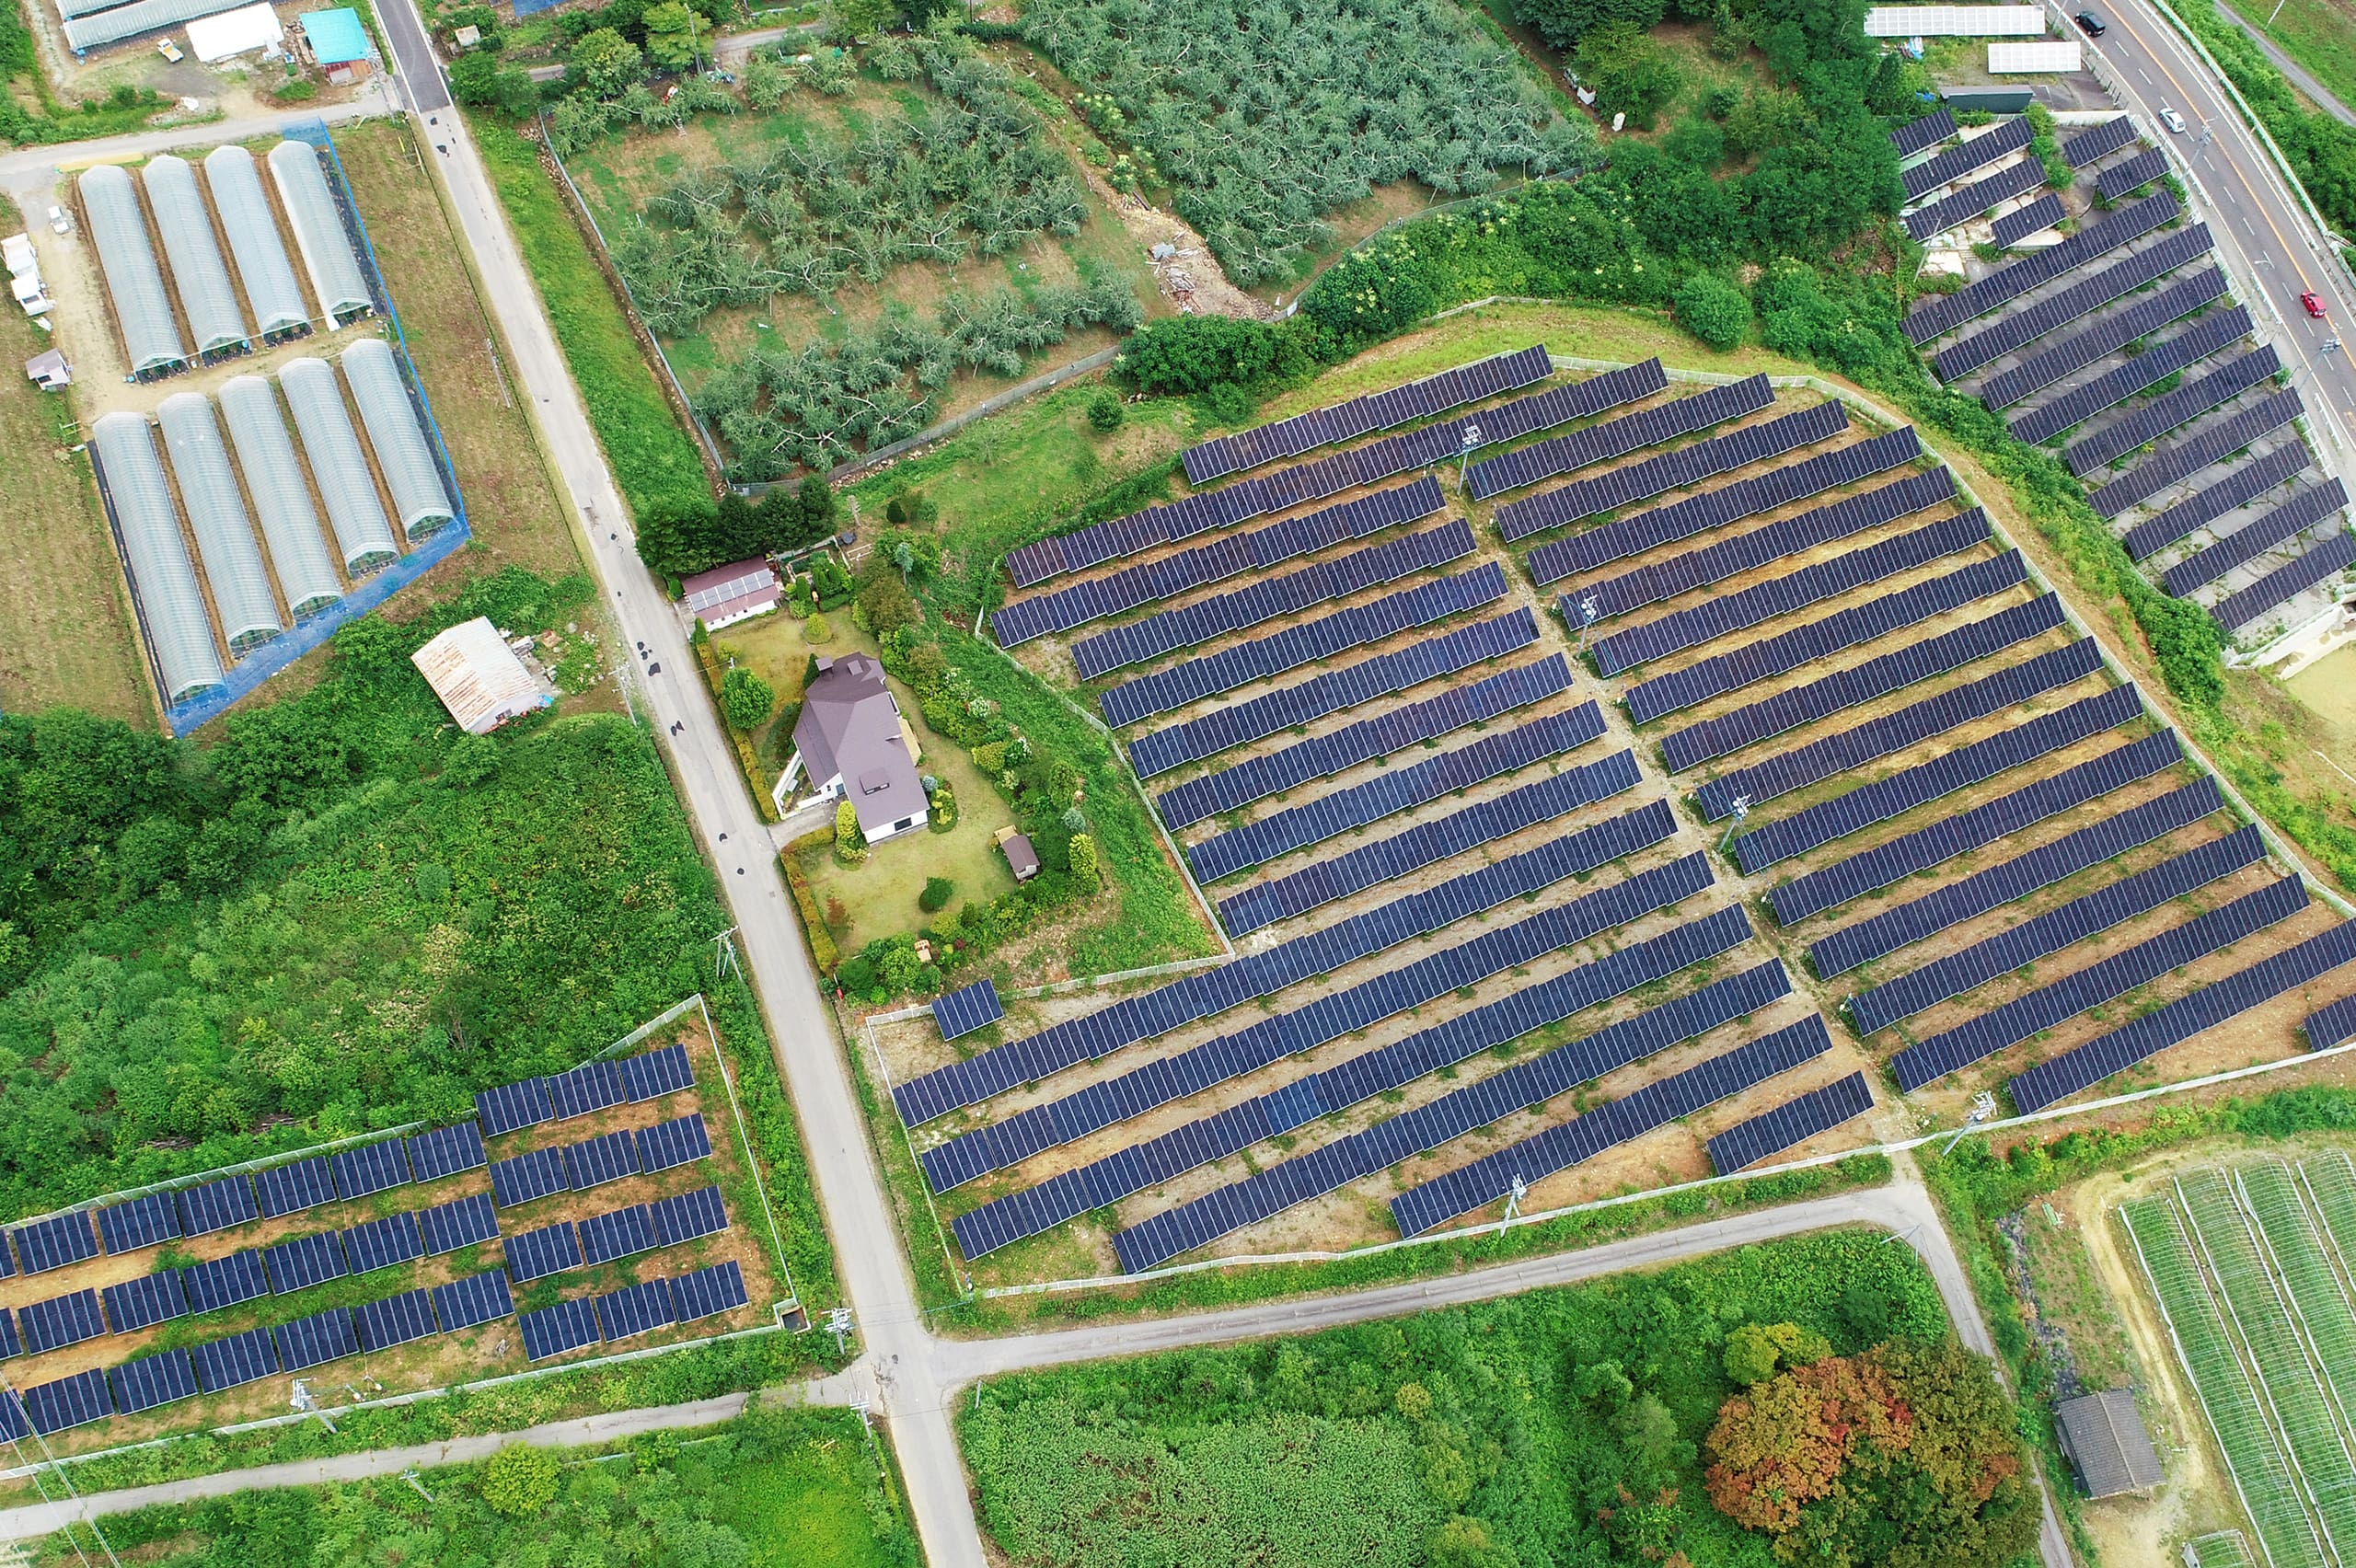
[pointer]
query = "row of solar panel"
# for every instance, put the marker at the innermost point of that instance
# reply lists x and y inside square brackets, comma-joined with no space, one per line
[2024,221]
[2099,143]
[1723,673]
[2334,1024]
[2182,459]
[2254,538]
[1948,212]
[2123,179]
[1927,131]
[592,1085]
[613,1156]
[1281,439]
[2010,137]
[1240,502]
[2064,305]
[2111,334]
[1945,313]
[1397,789]
[1728,503]
[633,1310]
[1616,488]
[2244,483]
[1794,1122]
[1308,641]
[2196,342]
[1617,438]
[617,1233]
[1329,1017]
[967,1008]
[2332,556]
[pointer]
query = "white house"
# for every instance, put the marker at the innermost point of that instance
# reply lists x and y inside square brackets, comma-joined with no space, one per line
[852,744]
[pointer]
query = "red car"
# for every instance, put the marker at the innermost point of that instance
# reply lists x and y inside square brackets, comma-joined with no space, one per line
[2313,302]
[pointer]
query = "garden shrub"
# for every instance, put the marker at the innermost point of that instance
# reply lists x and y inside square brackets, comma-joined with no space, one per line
[1105,407]
[850,843]
[746,701]
[1714,310]
[1631,73]
[938,892]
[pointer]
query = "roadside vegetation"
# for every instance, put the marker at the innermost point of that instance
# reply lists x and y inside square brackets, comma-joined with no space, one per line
[2315,34]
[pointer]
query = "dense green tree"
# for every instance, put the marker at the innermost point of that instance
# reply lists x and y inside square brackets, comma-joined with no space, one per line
[1194,353]
[1631,73]
[1564,22]
[1713,309]
[607,63]
[746,701]
[677,39]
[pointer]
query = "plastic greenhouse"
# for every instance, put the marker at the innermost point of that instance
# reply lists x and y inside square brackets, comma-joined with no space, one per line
[216,514]
[319,233]
[282,499]
[401,453]
[203,278]
[171,609]
[134,282]
[355,510]
[252,228]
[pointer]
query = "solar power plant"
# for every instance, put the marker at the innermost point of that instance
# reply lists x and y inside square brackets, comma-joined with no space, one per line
[1274,442]
[54,1243]
[636,1308]
[291,1189]
[144,1302]
[685,1217]
[528,1177]
[1397,789]
[1270,598]
[1241,501]
[60,1320]
[1074,1193]
[2246,543]
[1792,1122]
[2035,1011]
[650,1075]
[2018,946]
[2067,1074]
[2174,463]
[2138,171]
[216,1206]
[708,1291]
[2101,141]
[2022,221]
[1428,843]
[670,1143]
[1928,131]
[2204,337]
[451,1226]
[473,1301]
[595,1161]
[2064,305]
[305,1260]
[381,1243]
[396,1320]
[556,1331]
[1920,851]
[2113,332]
[373,1168]
[1948,212]
[1773,656]
[235,1361]
[617,1234]
[536,1254]
[1435,1202]
[1320,757]
[225,1282]
[1945,313]
[1215,562]
[68,1402]
[1290,706]
[2334,554]
[592,1086]
[1277,1035]
[1205,994]
[1834,755]
[514,1105]
[317,1340]
[960,1012]
[141,1222]
[445,1151]
[153,1381]
[1844,690]
[1762,602]
[1746,498]
[2245,483]
[2164,413]
[1616,488]
[1207,674]
[1978,153]
[1715,563]
[1617,438]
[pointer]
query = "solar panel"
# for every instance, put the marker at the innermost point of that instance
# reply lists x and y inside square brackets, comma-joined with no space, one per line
[2334,554]
[235,1361]
[1615,488]
[513,1105]
[54,1243]
[471,1302]
[1928,131]
[2255,538]
[68,1402]
[557,1330]
[617,1234]
[1794,1122]
[2062,306]
[142,1303]
[536,1254]
[216,1206]
[445,1151]
[2024,221]
[2183,458]
[1949,212]
[2123,179]
[291,1189]
[448,1227]
[1617,438]
[653,1074]
[317,1340]
[688,1216]
[381,1243]
[2243,483]
[526,1178]
[1945,313]
[669,1144]
[2196,342]
[60,1320]
[2113,332]
[599,1160]
[396,1320]
[2331,1026]
[10,1345]
[2101,141]
[153,1380]
[225,1282]
[2164,413]
[375,1168]
[708,1292]
[636,1308]
[962,1011]
[141,1222]
[592,1086]
[305,1260]
[2010,136]
[2064,1076]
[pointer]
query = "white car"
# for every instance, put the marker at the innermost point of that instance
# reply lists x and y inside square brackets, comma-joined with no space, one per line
[60,222]
[2172,120]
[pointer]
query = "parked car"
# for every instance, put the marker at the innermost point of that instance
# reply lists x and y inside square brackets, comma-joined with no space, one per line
[2172,120]
[2314,303]
[2091,25]
[170,51]
[60,222]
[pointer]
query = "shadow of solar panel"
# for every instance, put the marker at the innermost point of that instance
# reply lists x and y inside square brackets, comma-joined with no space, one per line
[2101,141]
[1928,131]
[1615,488]
[445,1151]
[2022,221]
[448,1227]
[688,1216]
[60,1320]
[2056,310]
[54,1243]
[216,1206]
[2244,483]
[375,1168]
[2010,136]
[305,1260]
[2254,538]
[669,1144]
[536,1254]
[291,1189]
[152,1381]
[1435,1203]
[636,1308]
[10,1344]
[1756,662]
[1347,421]
[513,1105]
[394,1319]
[526,1178]
[617,1234]
[650,1075]
[142,1303]
[2123,179]
[224,1282]
[708,1292]
[2055,1081]
[964,1011]
[317,1340]
[1925,847]
[1617,438]
[592,1086]
[1794,1122]
[141,1222]
[599,1160]
[2164,413]
[471,1302]
[2114,332]
[2176,462]
[1945,313]
[2196,342]
[381,1243]
[1968,204]
[68,1402]
[556,1331]
[2332,555]
[235,1361]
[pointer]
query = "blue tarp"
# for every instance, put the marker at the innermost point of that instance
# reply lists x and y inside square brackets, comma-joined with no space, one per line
[336,36]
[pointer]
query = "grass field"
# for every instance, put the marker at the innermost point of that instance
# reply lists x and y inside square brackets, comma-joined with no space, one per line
[2318,34]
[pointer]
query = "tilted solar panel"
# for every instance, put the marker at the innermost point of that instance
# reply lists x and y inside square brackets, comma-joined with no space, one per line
[1347,421]
[1617,438]
[1945,313]
[513,1105]
[373,1168]
[1686,466]
[708,1291]
[2331,1026]
[2332,555]
[2205,337]
[595,1161]
[650,1075]
[1928,131]
[2123,179]
[291,1189]
[592,1086]
[964,1011]
[216,1206]
[235,1361]
[305,1260]
[617,1234]
[669,1144]
[2024,327]
[445,1151]
[2182,459]
[153,1381]
[2024,221]
[141,1222]
[2254,538]
[688,1216]
[526,1178]
[1948,212]
[225,1282]
[55,1242]
[68,1402]
[557,1330]
[448,1227]
[1978,153]
[2164,413]
[536,1254]
[316,1340]
[1794,1122]
[636,1309]
[10,1345]
[2244,483]
[396,1320]
[473,1301]
[142,1303]
[2101,141]
[2113,332]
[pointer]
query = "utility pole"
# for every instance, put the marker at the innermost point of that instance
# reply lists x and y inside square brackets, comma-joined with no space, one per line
[1471,439]
[1513,1204]
[1741,804]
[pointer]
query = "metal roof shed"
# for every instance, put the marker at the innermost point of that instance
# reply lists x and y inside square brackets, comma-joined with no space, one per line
[2104,1437]
[112,24]
[1954,21]
[252,228]
[185,224]
[408,463]
[356,510]
[2053,54]
[274,478]
[216,514]
[171,609]
[135,283]
[477,676]
[319,233]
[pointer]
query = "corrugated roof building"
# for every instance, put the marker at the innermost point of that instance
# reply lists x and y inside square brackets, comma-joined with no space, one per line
[477,676]
[96,24]
[142,310]
[356,510]
[274,478]
[407,464]
[171,609]
[203,278]
[2104,1437]
[252,228]
[1954,21]
[319,233]
[216,514]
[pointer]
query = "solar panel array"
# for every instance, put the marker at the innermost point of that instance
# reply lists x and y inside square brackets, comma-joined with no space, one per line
[2022,221]
[2016,180]
[60,1320]
[1764,602]
[1894,732]
[1842,689]
[445,1151]
[2113,332]
[1308,641]
[1945,313]
[141,1222]
[142,1303]
[1928,131]
[317,1340]
[557,1330]
[668,1145]
[55,1242]
[2101,141]
[2071,1071]
[536,1254]
[2245,483]
[1616,488]
[448,1227]
[2165,412]
[1426,844]
[1953,164]
[153,1381]
[68,1403]
[1257,777]
[1396,790]
[470,1302]
[685,1216]
[1792,1122]
[2204,337]
[2332,1025]
[371,1168]
[1745,498]
[962,1011]
[1617,438]
[2174,463]
[2254,538]
[396,1320]
[1844,628]
[593,1162]
[526,1178]
[617,1234]
[1240,502]
[650,1075]
[225,1282]
[291,1189]
[2020,946]
[511,1106]
[1925,847]
[708,1292]
[2140,170]
[2334,554]
[234,1362]
[2064,305]
[304,1262]
[1435,1202]
[592,1086]
[1281,439]
[216,1206]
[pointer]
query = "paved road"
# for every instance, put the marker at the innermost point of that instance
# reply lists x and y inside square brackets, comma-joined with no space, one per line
[2290,67]
[32,171]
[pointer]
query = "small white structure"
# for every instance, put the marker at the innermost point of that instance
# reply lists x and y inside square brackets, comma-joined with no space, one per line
[853,744]
[727,595]
[2050,55]
[478,677]
[234,32]
[1954,21]
[49,371]
[24,274]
